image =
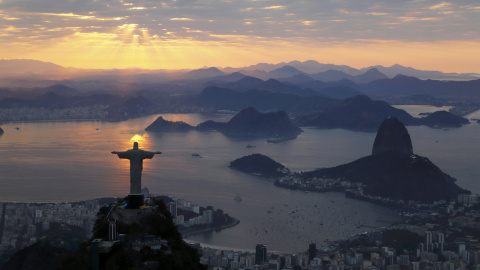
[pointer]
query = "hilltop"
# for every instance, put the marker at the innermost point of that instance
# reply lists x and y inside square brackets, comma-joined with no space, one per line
[247,123]
[393,171]
[258,164]
[149,240]
[361,113]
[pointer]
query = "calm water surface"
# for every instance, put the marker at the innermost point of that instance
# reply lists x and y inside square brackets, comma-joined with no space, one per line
[71,161]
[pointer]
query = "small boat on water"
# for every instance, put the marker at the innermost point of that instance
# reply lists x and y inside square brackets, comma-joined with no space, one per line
[238,198]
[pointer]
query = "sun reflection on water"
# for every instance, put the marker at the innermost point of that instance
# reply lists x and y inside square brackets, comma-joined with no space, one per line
[144,141]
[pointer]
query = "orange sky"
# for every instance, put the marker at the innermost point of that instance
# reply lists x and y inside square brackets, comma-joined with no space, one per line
[177,34]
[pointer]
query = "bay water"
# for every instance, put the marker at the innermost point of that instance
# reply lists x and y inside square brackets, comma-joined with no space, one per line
[72,161]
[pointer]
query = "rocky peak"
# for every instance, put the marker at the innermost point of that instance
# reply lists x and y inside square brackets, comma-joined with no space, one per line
[392,136]
[247,114]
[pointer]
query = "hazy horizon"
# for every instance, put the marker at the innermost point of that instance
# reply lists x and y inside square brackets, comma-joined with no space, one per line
[253,64]
[180,34]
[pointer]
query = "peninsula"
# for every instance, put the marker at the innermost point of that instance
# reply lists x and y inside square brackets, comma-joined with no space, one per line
[360,113]
[392,171]
[274,126]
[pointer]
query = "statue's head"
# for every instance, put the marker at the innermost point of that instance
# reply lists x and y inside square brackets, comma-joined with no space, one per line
[135,146]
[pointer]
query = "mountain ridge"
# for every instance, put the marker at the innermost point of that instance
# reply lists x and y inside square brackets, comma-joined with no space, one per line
[15,66]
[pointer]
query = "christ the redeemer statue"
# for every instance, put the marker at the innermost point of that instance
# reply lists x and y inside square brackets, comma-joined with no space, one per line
[136,157]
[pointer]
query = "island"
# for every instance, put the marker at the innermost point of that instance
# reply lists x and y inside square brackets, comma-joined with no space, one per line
[443,119]
[261,165]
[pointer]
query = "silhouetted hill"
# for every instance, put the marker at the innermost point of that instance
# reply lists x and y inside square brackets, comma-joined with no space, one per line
[23,66]
[336,75]
[227,99]
[369,76]
[297,79]
[259,165]
[255,73]
[356,113]
[415,178]
[401,86]
[443,119]
[245,83]
[251,122]
[392,136]
[363,114]
[210,125]
[422,74]
[338,92]
[162,125]
[272,85]
[393,172]
[203,73]
[284,72]
[236,76]
[247,123]
[1,131]
[279,87]
[314,67]
[331,76]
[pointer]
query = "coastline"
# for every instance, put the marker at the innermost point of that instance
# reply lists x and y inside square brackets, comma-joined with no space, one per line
[187,233]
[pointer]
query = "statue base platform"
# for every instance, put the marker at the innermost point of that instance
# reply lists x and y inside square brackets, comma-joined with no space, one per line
[134,201]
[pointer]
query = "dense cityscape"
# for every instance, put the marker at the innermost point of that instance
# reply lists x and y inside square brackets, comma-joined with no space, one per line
[442,235]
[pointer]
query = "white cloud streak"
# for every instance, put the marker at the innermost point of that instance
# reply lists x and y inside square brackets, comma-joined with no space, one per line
[340,20]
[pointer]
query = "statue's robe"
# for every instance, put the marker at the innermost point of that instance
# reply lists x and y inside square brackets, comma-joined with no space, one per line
[136,157]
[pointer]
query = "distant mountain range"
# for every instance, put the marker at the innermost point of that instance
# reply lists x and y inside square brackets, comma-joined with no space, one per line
[298,88]
[314,67]
[311,68]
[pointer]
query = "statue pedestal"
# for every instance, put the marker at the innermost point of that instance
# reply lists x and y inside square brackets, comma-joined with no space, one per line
[134,201]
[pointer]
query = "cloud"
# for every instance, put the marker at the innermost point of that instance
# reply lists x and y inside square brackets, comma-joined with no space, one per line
[274,7]
[240,22]
[180,19]
[441,6]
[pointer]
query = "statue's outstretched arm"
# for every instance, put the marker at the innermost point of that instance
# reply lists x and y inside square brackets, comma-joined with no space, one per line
[114,152]
[158,153]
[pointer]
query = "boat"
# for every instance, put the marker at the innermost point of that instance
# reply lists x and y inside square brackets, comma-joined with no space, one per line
[196,155]
[250,146]
[238,198]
